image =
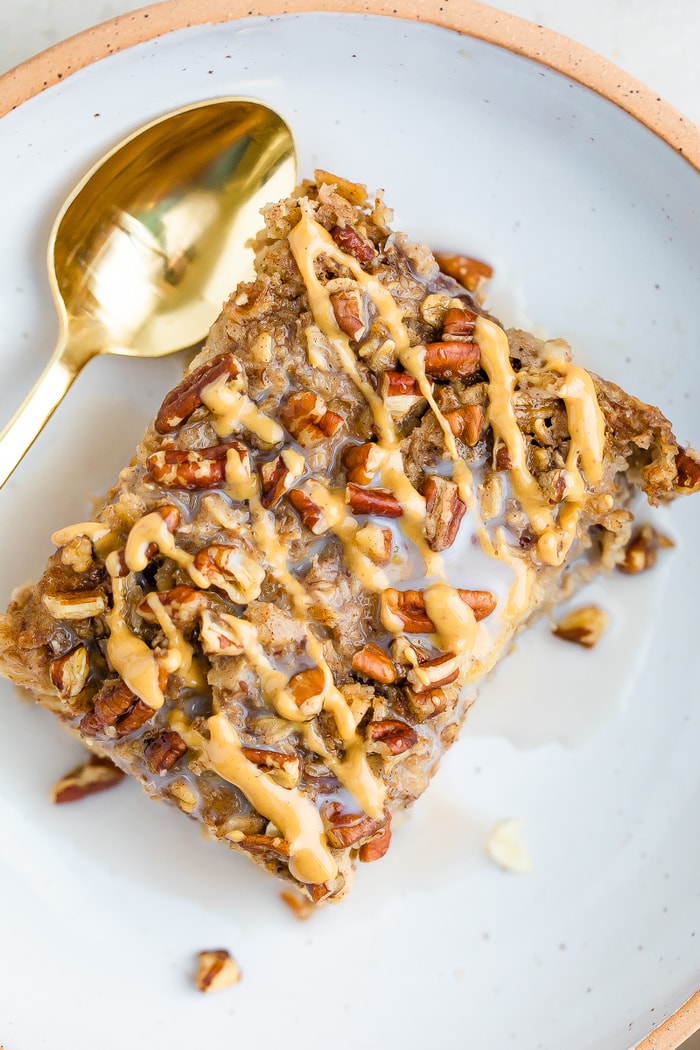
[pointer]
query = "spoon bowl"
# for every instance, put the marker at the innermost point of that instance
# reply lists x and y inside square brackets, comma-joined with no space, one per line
[151,241]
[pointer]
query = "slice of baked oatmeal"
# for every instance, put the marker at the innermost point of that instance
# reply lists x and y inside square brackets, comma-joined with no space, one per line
[361,489]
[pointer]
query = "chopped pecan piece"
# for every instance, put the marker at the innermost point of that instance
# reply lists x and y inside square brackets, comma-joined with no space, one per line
[307,418]
[642,549]
[362,462]
[374,663]
[181,402]
[310,513]
[584,626]
[434,673]
[203,468]
[376,847]
[284,769]
[162,752]
[688,470]
[452,360]
[393,736]
[345,829]
[401,393]
[215,970]
[278,475]
[116,712]
[501,458]
[471,273]
[97,774]
[75,605]
[184,605]
[69,673]
[349,241]
[466,423]
[218,636]
[350,312]
[229,569]
[301,906]
[409,608]
[458,324]
[428,704]
[444,511]
[307,688]
[377,501]
[265,845]
[374,542]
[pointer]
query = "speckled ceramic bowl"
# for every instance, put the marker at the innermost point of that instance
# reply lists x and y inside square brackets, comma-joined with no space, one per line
[489,135]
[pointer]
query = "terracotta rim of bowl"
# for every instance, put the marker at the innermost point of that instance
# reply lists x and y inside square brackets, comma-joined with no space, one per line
[474,19]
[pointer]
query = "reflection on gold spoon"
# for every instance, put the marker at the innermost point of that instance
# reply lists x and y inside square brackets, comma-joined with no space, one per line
[152,240]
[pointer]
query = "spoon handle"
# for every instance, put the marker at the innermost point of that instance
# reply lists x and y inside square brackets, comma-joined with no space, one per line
[37,408]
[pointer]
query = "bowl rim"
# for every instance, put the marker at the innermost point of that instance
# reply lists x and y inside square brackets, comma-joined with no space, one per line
[471,18]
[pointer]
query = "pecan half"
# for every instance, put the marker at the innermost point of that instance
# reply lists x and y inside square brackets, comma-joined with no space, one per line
[391,736]
[374,663]
[451,360]
[350,311]
[466,423]
[307,418]
[345,829]
[181,402]
[264,845]
[362,462]
[306,688]
[444,511]
[278,475]
[69,673]
[162,752]
[191,469]
[471,273]
[409,608]
[377,501]
[458,324]
[116,712]
[230,570]
[97,774]
[215,970]
[348,240]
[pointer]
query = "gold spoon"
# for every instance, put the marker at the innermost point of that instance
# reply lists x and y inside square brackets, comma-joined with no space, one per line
[152,240]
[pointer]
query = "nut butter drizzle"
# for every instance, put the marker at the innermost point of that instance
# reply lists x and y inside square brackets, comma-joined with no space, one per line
[586,430]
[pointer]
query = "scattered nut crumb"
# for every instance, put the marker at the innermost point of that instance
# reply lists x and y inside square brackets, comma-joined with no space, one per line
[505,846]
[300,905]
[215,970]
[585,626]
[641,551]
[97,774]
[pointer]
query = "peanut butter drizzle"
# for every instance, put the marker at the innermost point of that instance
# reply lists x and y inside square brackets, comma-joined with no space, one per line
[180,652]
[308,240]
[586,429]
[297,818]
[131,658]
[93,530]
[234,410]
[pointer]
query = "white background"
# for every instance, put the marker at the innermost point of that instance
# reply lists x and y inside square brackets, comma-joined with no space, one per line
[656,42]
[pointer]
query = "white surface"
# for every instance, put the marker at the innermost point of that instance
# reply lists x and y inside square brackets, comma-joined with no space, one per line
[110,900]
[656,42]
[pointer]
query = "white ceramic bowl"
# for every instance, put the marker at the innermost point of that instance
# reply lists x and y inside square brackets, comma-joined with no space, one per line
[492,136]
